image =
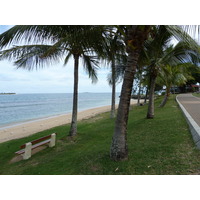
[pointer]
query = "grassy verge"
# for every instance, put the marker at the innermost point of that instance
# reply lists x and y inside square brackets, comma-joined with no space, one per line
[159,146]
[196,94]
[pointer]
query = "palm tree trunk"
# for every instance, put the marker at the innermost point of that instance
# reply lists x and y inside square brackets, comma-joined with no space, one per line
[135,38]
[150,112]
[164,101]
[112,113]
[73,128]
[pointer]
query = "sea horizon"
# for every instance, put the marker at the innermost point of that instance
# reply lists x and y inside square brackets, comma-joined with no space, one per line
[25,107]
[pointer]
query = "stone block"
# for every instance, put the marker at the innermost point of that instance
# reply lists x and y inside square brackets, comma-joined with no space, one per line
[52,142]
[27,153]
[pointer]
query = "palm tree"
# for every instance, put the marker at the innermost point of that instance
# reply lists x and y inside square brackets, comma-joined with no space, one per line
[76,41]
[134,39]
[174,75]
[115,77]
[159,55]
[113,53]
[154,50]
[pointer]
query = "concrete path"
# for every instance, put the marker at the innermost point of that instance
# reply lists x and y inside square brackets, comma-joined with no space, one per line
[190,106]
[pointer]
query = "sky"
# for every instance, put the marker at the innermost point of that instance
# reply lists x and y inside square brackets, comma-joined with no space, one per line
[55,78]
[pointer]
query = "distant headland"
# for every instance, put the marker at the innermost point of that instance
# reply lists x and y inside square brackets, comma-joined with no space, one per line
[7,93]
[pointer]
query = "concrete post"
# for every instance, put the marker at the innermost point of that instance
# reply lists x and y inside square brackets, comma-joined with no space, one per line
[53,140]
[27,153]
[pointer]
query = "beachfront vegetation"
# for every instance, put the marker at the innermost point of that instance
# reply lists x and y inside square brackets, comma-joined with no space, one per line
[84,41]
[157,146]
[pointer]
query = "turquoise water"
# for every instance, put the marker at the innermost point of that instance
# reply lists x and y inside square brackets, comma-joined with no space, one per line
[23,107]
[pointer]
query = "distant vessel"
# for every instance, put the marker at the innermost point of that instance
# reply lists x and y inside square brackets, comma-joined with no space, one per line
[8,93]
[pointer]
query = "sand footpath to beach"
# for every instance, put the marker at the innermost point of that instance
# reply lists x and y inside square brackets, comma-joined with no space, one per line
[28,128]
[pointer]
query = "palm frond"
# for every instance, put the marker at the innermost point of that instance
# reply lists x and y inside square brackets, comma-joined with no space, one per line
[91,66]
[69,54]
[181,53]
[119,74]
[181,34]
[31,56]
[48,33]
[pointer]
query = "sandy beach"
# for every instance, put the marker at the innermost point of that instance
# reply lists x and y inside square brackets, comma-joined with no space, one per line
[28,128]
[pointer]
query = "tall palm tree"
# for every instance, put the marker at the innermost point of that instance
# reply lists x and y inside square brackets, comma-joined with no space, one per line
[134,39]
[154,49]
[113,53]
[67,41]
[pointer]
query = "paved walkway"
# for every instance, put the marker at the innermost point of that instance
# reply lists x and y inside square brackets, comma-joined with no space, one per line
[192,105]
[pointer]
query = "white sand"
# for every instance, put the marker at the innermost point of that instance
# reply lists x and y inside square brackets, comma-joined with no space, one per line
[28,128]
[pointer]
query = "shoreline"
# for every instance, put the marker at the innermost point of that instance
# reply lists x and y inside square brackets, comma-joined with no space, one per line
[14,124]
[27,128]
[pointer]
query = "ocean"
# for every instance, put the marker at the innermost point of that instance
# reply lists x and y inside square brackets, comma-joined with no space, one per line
[25,107]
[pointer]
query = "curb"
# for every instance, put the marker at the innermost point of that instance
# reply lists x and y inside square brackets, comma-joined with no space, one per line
[194,127]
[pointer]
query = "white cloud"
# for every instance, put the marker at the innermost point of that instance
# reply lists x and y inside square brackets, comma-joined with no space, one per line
[53,79]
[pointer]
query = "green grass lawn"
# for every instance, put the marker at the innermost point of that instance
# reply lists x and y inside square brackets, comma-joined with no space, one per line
[160,146]
[196,94]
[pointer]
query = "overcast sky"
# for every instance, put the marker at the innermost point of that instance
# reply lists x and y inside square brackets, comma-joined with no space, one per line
[51,79]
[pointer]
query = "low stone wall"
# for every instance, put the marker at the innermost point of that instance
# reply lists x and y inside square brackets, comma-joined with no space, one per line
[194,127]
